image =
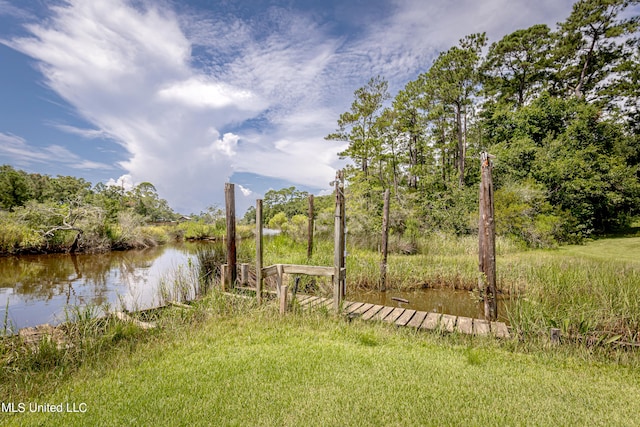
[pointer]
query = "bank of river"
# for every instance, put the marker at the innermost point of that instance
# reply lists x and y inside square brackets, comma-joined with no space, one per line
[36,289]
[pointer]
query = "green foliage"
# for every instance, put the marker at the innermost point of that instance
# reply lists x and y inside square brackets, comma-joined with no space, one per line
[557,108]
[522,211]
[278,221]
[41,213]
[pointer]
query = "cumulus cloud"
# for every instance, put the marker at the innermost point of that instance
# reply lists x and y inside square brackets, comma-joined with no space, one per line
[127,71]
[194,97]
[124,181]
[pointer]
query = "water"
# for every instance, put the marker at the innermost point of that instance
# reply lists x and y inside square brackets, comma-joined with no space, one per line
[37,289]
[447,301]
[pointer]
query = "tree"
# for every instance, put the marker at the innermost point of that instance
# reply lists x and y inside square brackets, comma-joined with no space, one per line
[515,68]
[451,82]
[588,45]
[410,121]
[357,126]
[147,203]
[15,187]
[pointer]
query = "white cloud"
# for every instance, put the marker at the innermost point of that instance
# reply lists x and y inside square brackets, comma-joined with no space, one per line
[85,133]
[166,87]
[7,8]
[199,93]
[22,153]
[125,182]
[227,145]
[245,191]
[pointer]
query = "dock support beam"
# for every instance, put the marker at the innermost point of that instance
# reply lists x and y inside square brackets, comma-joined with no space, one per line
[487,240]
[338,243]
[259,280]
[230,202]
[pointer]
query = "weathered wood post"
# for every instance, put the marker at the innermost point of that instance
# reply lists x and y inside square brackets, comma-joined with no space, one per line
[343,238]
[487,240]
[230,202]
[259,254]
[244,274]
[283,299]
[310,229]
[338,248]
[385,240]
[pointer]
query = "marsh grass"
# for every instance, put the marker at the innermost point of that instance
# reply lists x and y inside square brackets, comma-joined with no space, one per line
[591,291]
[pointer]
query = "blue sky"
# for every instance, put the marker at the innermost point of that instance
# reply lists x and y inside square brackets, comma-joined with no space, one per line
[189,95]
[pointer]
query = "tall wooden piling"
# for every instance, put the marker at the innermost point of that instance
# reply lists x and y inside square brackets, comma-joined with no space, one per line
[338,243]
[230,203]
[259,253]
[385,239]
[310,229]
[487,240]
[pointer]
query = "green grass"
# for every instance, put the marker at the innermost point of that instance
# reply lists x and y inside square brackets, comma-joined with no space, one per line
[250,367]
[589,291]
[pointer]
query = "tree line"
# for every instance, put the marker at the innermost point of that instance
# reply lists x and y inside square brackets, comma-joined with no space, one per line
[43,213]
[557,108]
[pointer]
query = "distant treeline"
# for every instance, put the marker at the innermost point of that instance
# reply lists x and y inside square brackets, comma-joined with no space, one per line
[40,213]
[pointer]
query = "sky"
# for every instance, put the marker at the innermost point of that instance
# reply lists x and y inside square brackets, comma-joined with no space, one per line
[191,94]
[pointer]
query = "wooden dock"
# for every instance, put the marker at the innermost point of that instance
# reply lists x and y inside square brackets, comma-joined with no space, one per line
[410,318]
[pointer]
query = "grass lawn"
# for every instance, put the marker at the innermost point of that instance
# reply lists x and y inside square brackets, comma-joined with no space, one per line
[254,368]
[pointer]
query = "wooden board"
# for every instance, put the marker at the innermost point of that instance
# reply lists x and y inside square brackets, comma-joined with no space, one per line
[394,315]
[311,270]
[481,327]
[308,302]
[384,312]
[500,330]
[318,302]
[431,322]
[405,317]
[328,303]
[448,322]
[371,312]
[465,325]
[346,304]
[417,319]
[353,307]
[303,298]
[362,309]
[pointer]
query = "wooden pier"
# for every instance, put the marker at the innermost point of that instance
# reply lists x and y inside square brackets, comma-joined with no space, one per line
[410,318]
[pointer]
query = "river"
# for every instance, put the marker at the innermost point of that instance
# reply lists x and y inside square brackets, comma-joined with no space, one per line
[36,289]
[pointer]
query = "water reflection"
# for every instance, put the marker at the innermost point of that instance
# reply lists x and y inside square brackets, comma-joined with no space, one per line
[37,288]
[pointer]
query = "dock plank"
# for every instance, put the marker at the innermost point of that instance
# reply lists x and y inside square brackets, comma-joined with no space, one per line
[363,309]
[346,304]
[380,315]
[353,307]
[302,298]
[328,302]
[318,302]
[405,317]
[417,319]
[481,327]
[448,322]
[500,330]
[431,322]
[371,312]
[394,315]
[465,325]
[308,302]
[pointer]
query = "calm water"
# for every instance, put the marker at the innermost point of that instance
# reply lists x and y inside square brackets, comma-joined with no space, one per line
[36,289]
